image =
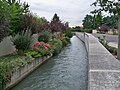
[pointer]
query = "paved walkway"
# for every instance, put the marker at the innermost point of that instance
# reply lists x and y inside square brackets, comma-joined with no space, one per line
[104,69]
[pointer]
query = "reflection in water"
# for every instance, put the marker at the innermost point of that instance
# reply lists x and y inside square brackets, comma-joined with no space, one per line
[67,71]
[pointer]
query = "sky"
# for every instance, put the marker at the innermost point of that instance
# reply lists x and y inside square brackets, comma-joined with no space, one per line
[72,11]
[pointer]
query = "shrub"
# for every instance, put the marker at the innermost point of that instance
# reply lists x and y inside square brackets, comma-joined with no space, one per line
[22,40]
[68,33]
[9,64]
[112,50]
[43,48]
[44,36]
[33,54]
[56,45]
[86,30]
[64,40]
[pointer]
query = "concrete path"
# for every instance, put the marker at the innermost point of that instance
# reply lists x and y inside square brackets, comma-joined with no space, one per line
[104,69]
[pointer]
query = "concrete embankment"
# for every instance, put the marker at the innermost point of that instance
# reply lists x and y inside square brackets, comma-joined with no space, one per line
[104,68]
[22,72]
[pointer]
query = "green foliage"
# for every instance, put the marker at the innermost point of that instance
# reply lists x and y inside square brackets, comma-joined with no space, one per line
[16,11]
[3,72]
[44,52]
[9,64]
[44,36]
[112,50]
[4,20]
[86,30]
[22,40]
[11,11]
[64,42]
[56,45]
[111,21]
[68,33]
[92,22]
[33,54]
[41,20]
[111,6]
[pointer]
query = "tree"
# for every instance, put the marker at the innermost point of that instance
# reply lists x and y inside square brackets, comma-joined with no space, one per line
[55,18]
[4,19]
[88,22]
[113,7]
[10,12]
[56,25]
[92,22]
[111,21]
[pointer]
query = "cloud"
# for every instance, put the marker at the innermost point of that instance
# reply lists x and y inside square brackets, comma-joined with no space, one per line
[72,11]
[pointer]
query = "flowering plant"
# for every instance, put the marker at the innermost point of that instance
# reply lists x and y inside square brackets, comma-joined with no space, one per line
[43,48]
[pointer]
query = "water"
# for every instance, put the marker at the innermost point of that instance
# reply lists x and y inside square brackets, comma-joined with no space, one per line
[67,71]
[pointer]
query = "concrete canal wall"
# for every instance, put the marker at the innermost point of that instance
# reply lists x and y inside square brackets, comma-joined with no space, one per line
[104,68]
[22,72]
[84,38]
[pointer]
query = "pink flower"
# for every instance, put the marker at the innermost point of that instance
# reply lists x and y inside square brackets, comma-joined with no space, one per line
[36,45]
[45,47]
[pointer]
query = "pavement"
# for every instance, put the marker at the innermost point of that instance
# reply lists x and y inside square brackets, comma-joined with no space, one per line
[104,68]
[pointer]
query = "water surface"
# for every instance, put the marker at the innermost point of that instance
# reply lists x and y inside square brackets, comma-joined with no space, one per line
[67,71]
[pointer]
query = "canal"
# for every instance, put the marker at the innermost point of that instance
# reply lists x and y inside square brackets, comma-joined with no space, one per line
[67,71]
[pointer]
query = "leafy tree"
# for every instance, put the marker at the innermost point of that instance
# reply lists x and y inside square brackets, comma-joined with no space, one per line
[4,13]
[111,21]
[113,7]
[92,22]
[88,22]
[10,12]
[16,11]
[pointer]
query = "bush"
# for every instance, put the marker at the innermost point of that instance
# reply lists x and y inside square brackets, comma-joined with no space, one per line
[56,45]
[9,64]
[22,40]
[42,48]
[33,54]
[68,33]
[112,50]
[64,40]
[44,36]
[86,30]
